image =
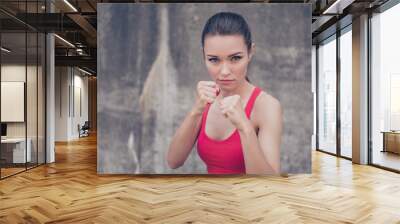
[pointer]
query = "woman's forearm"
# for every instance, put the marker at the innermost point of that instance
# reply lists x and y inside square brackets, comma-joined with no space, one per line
[184,139]
[254,157]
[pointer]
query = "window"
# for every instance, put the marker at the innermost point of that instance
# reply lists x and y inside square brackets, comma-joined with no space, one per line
[346,93]
[327,95]
[385,88]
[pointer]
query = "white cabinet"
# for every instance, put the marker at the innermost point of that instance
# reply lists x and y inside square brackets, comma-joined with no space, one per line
[18,149]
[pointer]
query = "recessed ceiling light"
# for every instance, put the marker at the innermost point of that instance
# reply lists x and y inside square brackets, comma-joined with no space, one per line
[337,7]
[70,5]
[86,72]
[5,50]
[65,41]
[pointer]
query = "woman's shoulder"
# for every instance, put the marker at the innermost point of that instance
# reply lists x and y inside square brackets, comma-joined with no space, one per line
[265,100]
[266,104]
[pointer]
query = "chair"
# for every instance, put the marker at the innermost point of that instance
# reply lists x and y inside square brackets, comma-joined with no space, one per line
[84,130]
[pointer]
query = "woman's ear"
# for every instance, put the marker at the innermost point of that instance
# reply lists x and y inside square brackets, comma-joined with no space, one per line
[252,50]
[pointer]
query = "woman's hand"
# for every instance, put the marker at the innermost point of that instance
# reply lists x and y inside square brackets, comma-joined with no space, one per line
[232,108]
[185,137]
[207,92]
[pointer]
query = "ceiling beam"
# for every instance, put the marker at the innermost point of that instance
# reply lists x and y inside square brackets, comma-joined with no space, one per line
[86,26]
[84,61]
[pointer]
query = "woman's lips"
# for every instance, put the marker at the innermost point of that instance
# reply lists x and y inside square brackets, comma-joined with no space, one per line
[227,81]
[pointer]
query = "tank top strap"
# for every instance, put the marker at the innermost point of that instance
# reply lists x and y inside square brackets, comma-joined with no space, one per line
[251,101]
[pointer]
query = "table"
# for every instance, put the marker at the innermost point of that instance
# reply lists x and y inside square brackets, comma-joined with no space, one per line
[391,141]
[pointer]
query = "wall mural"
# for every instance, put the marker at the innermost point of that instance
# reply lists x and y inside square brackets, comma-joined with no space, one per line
[150,60]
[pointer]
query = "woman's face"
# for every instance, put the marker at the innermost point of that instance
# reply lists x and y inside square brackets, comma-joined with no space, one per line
[227,58]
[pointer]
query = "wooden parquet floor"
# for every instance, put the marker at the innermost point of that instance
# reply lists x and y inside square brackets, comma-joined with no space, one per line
[70,191]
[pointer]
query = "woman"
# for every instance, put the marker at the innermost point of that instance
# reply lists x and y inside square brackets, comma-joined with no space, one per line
[237,126]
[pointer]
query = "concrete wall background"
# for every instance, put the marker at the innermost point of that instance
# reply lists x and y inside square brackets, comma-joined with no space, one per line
[150,60]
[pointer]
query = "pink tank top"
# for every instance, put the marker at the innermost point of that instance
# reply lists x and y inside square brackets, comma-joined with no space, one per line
[224,156]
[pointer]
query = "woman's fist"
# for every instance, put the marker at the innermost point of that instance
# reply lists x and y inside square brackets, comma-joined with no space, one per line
[207,92]
[231,107]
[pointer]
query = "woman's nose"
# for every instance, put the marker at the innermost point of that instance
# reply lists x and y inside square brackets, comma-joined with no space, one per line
[225,69]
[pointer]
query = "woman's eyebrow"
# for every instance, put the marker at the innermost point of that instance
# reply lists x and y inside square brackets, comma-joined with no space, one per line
[234,54]
[231,55]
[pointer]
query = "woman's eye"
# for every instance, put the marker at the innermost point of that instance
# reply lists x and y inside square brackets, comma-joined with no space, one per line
[213,60]
[236,58]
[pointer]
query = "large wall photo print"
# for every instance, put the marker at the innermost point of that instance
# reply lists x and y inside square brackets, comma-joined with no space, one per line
[204,88]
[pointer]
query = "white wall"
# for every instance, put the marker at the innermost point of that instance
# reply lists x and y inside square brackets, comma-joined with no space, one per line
[70,83]
[61,103]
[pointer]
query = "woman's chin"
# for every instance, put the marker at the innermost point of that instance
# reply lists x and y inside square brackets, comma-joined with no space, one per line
[227,88]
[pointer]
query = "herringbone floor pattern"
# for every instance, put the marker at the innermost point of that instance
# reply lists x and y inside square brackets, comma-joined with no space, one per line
[70,191]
